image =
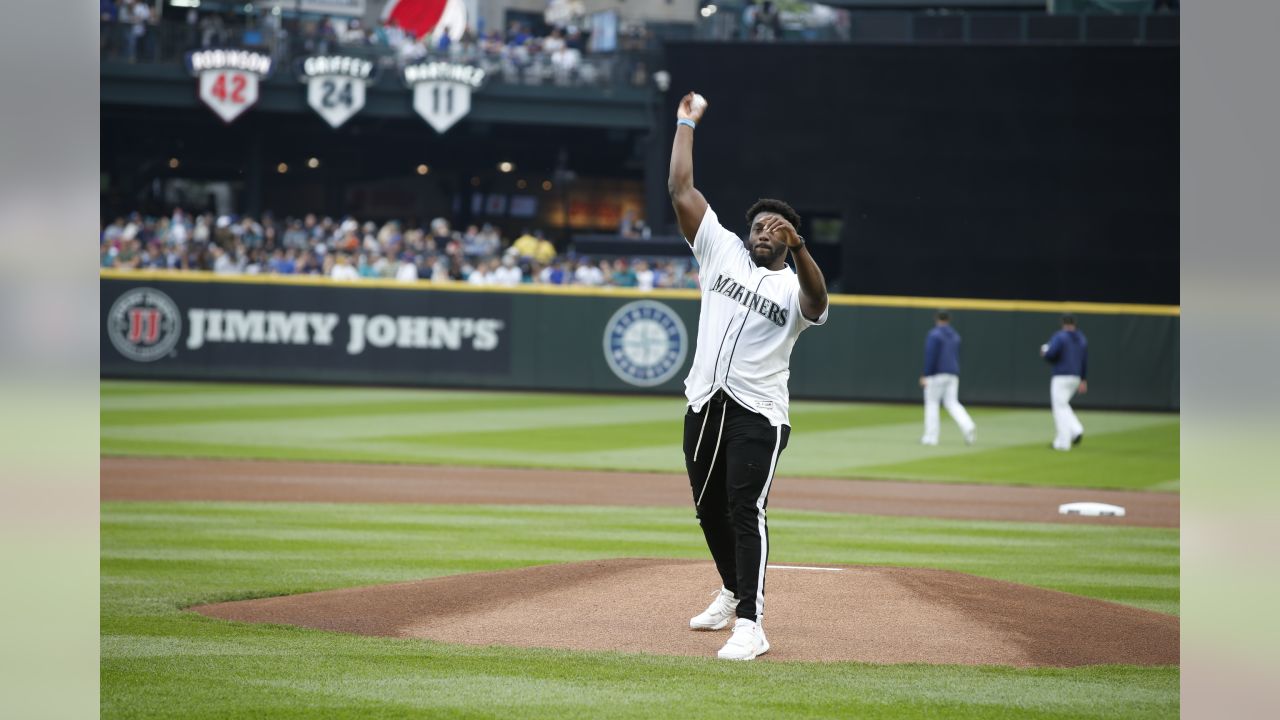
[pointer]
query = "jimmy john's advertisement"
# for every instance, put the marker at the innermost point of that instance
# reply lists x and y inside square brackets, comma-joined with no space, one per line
[301,332]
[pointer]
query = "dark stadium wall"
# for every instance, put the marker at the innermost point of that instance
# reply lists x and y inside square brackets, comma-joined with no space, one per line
[193,326]
[958,171]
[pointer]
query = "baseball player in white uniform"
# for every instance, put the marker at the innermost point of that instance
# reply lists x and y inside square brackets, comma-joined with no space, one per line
[753,308]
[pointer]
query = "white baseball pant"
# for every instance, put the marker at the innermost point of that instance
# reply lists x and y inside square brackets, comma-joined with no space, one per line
[1061,389]
[943,388]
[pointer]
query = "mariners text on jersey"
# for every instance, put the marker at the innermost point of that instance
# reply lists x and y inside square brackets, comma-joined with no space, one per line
[750,300]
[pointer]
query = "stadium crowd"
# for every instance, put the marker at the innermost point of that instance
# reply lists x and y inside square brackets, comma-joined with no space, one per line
[347,249]
[563,54]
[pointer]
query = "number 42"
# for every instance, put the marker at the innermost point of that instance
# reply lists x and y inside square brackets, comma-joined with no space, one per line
[237,88]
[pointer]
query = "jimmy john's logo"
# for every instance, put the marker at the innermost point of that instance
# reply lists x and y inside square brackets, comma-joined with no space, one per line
[442,91]
[144,324]
[405,332]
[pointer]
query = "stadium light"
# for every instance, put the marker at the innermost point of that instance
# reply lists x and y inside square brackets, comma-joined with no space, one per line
[546,185]
[475,181]
[282,168]
[173,163]
[185,3]
[522,184]
[505,167]
[423,169]
[313,163]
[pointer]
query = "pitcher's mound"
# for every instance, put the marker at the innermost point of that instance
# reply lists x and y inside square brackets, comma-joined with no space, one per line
[867,614]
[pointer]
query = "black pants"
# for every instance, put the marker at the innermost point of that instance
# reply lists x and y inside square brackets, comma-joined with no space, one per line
[731,454]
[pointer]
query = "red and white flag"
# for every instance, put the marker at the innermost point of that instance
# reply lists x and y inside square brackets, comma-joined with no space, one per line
[416,17]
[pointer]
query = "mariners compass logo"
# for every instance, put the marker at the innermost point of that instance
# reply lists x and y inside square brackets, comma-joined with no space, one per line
[645,343]
[144,324]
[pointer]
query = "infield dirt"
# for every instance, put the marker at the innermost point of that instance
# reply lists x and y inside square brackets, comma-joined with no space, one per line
[833,613]
[126,478]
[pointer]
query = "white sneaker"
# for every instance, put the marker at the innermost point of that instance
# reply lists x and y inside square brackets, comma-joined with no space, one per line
[718,613]
[971,437]
[927,441]
[747,642]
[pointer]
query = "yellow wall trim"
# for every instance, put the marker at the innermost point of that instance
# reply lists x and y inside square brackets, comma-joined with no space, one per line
[929,303]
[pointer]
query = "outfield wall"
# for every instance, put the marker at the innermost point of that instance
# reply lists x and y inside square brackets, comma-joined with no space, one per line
[199,326]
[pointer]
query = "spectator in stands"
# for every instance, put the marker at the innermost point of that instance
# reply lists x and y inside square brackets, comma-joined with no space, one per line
[623,275]
[472,246]
[768,22]
[406,269]
[342,268]
[627,228]
[111,233]
[644,276]
[482,274]
[546,251]
[508,274]
[138,14]
[249,232]
[525,246]
[222,262]
[588,274]
[555,274]
[179,229]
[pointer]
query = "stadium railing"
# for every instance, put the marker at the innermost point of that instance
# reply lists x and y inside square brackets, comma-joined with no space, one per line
[969,28]
[168,43]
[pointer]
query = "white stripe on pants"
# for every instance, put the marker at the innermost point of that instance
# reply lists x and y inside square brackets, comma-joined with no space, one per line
[943,388]
[1061,389]
[763,526]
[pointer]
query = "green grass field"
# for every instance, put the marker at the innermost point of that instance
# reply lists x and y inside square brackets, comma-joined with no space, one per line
[158,558]
[1137,451]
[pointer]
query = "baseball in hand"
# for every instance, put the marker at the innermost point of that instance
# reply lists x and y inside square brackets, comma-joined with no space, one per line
[691,107]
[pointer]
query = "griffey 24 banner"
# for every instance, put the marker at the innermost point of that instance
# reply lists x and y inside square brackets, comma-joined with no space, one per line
[288,332]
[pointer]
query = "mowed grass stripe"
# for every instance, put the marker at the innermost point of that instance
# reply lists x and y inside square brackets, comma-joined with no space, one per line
[1142,457]
[355,536]
[643,434]
[261,671]
[283,410]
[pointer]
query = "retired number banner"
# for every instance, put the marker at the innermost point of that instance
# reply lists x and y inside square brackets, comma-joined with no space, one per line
[227,79]
[336,85]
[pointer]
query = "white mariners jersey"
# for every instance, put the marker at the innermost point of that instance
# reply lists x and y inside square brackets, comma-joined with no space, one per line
[749,321]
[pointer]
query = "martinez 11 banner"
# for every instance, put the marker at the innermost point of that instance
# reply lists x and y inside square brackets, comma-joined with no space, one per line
[442,91]
[227,79]
[336,85]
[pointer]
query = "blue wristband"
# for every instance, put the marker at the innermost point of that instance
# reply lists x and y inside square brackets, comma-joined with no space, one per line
[686,121]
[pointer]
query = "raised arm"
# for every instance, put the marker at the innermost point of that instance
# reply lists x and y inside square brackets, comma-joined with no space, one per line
[813,287]
[689,204]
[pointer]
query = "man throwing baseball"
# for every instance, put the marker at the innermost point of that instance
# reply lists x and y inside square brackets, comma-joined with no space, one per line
[753,308]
